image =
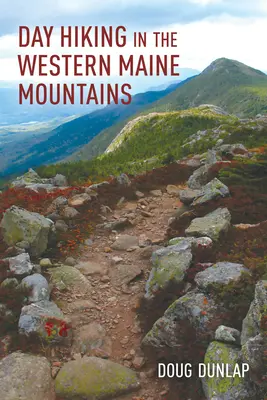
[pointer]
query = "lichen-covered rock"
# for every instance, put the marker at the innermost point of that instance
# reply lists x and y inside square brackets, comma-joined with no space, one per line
[44,320]
[188,324]
[20,265]
[211,225]
[94,379]
[227,335]
[254,354]
[222,387]
[22,225]
[69,278]
[199,178]
[212,157]
[31,177]
[169,266]
[212,191]
[253,323]
[38,288]
[25,377]
[10,283]
[187,196]
[220,275]
[232,149]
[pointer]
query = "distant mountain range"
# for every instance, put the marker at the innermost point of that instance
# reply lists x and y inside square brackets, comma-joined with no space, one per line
[237,88]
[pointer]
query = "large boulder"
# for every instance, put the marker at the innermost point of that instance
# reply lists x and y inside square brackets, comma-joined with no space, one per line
[93,378]
[79,200]
[253,323]
[69,278]
[169,267]
[45,321]
[254,354]
[31,177]
[189,324]
[220,276]
[200,177]
[21,225]
[25,377]
[60,180]
[20,265]
[38,287]
[212,191]
[220,387]
[211,225]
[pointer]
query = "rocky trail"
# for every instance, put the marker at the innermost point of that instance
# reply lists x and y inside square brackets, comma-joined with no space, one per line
[106,322]
[158,279]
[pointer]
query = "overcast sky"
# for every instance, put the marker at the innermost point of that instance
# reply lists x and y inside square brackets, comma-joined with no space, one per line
[207,29]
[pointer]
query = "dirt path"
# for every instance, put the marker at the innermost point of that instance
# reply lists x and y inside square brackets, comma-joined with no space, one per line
[113,305]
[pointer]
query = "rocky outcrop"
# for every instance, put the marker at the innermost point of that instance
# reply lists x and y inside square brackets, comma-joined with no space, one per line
[31,180]
[220,386]
[212,225]
[25,377]
[188,325]
[221,275]
[21,225]
[94,378]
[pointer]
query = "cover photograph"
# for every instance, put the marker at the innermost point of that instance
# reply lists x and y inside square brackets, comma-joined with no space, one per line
[133,200]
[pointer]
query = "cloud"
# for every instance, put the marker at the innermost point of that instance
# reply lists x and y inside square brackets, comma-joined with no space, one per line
[136,14]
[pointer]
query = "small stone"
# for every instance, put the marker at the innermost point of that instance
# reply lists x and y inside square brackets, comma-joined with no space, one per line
[172,190]
[138,362]
[105,279]
[139,195]
[156,193]
[45,263]
[70,261]
[117,260]
[107,250]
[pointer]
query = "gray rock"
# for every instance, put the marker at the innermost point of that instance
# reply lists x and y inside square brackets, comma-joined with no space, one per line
[222,388]
[38,285]
[199,178]
[22,225]
[220,274]
[31,177]
[93,378]
[61,226]
[25,377]
[34,320]
[70,213]
[123,180]
[254,354]
[232,149]
[60,201]
[169,267]
[124,242]
[156,193]
[60,180]
[70,261]
[212,157]
[20,265]
[212,191]
[69,278]
[119,224]
[191,320]
[257,312]
[187,196]
[227,335]
[212,225]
